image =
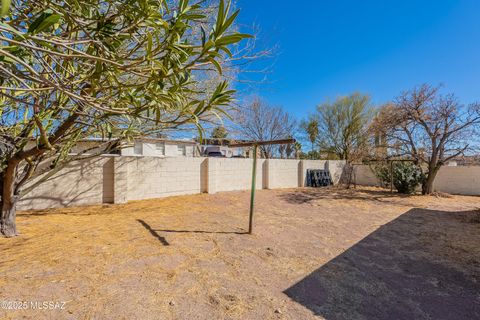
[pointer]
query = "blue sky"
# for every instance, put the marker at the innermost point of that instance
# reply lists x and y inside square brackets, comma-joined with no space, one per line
[335,47]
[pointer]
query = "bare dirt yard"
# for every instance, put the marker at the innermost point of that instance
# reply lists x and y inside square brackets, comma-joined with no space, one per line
[315,253]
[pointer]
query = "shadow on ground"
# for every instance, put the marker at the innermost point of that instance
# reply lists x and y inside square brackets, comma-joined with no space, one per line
[163,240]
[307,195]
[201,231]
[153,232]
[415,267]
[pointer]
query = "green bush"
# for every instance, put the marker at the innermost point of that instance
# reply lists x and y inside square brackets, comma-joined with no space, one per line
[407,176]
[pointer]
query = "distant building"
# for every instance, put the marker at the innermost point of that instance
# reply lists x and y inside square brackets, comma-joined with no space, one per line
[141,147]
[162,147]
[159,147]
[473,160]
[213,147]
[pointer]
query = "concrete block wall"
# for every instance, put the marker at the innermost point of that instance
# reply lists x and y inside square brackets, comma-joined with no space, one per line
[229,174]
[283,173]
[336,168]
[462,180]
[80,183]
[152,177]
[458,180]
[118,179]
[363,175]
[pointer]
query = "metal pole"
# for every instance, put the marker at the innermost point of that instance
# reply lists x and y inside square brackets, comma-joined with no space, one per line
[391,176]
[252,195]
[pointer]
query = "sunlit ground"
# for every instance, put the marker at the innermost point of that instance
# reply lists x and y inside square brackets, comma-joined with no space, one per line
[326,253]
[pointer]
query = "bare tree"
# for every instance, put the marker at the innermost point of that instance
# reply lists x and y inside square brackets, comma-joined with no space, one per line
[260,121]
[428,127]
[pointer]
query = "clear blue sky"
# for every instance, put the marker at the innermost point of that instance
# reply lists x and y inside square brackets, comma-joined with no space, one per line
[379,47]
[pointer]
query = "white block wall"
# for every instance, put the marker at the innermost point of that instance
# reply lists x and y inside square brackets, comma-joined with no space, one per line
[150,178]
[463,180]
[458,180]
[336,170]
[365,176]
[283,173]
[226,174]
[80,183]
[118,179]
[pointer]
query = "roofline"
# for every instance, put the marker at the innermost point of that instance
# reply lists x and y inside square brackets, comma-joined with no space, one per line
[94,139]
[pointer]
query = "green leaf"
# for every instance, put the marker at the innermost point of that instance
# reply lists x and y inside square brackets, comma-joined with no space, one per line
[229,53]
[5,7]
[183,5]
[194,16]
[210,44]
[229,21]
[149,45]
[230,39]
[217,65]
[44,21]
[220,17]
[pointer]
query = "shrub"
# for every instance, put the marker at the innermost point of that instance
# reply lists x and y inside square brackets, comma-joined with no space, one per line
[407,176]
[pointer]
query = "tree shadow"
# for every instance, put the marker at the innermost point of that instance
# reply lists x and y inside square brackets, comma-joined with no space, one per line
[153,232]
[307,195]
[74,211]
[202,231]
[423,265]
[67,187]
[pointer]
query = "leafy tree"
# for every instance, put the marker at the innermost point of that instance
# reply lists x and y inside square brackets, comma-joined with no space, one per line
[310,127]
[286,151]
[297,146]
[429,128]
[289,150]
[310,155]
[116,69]
[219,132]
[343,126]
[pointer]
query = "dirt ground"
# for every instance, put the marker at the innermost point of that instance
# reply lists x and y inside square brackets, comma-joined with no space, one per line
[315,253]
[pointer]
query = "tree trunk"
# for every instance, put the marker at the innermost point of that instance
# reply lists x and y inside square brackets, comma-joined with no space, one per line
[427,185]
[8,227]
[348,170]
[7,221]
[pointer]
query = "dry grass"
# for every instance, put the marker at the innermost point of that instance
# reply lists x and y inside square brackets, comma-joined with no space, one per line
[188,257]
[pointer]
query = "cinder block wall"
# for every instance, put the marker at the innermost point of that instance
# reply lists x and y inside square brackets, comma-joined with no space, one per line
[464,180]
[283,173]
[150,178]
[363,175]
[458,180]
[336,168]
[229,174]
[80,183]
[114,179]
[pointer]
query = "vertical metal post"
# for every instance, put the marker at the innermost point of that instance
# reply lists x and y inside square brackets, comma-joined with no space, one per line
[391,176]
[252,195]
